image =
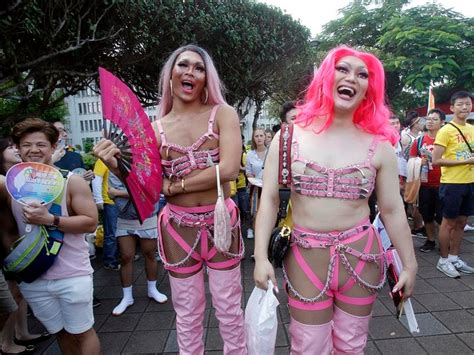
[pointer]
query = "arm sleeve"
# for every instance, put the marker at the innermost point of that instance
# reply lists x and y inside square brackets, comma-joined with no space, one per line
[97,189]
[442,137]
[414,148]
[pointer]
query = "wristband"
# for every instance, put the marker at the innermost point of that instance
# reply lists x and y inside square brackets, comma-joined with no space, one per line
[56,221]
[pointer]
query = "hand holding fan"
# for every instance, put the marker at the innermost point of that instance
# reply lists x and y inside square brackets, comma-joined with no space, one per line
[29,182]
[130,129]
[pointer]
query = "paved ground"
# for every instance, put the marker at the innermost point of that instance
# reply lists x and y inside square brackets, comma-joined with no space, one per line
[444,309]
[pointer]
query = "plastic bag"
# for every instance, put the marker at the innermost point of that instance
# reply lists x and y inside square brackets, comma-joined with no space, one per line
[99,236]
[261,321]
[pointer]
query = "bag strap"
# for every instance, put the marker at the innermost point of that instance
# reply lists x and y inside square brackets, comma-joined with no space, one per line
[56,209]
[462,135]
[419,143]
[284,160]
[284,169]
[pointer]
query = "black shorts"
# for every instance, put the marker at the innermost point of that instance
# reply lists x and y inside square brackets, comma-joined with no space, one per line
[429,204]
[457,200]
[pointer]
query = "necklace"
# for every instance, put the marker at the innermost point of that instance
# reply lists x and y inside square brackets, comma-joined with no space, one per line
[261,154]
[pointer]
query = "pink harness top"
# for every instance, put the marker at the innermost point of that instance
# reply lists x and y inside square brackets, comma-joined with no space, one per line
[347,183]
[201,217]
[192,158]
[337,243]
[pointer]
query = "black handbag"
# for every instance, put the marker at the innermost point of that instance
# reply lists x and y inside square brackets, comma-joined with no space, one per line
[280,236]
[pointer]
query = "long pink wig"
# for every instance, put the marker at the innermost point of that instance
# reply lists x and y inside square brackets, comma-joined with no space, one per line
[372,114]
[214,85]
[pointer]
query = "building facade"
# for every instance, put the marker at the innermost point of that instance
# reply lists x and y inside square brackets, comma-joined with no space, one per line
[84,118]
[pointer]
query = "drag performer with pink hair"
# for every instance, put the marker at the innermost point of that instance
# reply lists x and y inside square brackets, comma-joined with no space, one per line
[197,130]
[341,151]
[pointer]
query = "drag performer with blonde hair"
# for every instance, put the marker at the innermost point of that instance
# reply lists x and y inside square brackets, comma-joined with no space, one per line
[197,130]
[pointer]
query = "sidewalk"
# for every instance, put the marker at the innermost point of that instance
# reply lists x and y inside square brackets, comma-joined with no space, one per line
[444,308]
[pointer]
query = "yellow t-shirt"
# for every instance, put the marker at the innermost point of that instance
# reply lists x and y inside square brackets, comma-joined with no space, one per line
[233,188]
[100,169]
[456,149]
[241,182]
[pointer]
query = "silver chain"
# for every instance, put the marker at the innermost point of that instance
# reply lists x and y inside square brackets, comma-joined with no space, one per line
[350,270]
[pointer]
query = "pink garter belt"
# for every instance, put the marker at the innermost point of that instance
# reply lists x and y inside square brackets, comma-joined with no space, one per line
[202,218]
[337,243]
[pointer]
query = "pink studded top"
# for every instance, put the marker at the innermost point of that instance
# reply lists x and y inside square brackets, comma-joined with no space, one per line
[352,182]
[192,157]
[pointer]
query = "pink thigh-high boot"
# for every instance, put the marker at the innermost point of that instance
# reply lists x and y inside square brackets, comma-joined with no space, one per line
[310,339]
[350,332]
[226,291]
[189,303]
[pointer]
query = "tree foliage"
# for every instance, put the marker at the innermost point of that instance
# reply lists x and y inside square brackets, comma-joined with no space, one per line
[417,45]
[57,45]
[51,45]
[259,51]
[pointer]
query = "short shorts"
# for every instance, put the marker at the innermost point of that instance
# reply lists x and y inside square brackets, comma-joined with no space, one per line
[151,233]
[61,304]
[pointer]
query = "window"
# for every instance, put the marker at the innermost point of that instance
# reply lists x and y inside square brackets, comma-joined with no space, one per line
[84,108]
[82,126]
[95,126]
[89,107]
[99,107]
[80,109]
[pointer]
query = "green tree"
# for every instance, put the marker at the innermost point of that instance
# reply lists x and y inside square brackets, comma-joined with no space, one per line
[49,50]
[88,145]
[258,50]
[430,43]
[416,45]
[12,110]
[50,45]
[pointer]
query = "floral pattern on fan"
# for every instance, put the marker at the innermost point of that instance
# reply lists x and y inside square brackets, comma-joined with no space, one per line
[128,126]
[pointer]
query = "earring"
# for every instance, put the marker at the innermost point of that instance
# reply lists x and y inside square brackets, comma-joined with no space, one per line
[206,94]
[171,88]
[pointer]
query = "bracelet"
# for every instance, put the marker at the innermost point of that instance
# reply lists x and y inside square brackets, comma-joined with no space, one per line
[182,185]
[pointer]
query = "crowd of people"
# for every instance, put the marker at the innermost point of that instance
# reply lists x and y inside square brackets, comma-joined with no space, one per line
[349,160]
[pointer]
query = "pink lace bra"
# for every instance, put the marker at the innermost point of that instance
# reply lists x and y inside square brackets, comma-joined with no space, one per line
[192,157]
[352,182]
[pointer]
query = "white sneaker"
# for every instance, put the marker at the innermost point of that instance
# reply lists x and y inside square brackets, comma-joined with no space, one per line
[250,233]
[122,306]
[468,228]
[157,296]
[448,269]
[461,266]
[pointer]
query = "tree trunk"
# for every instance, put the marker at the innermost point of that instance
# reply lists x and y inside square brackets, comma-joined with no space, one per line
[256,115]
